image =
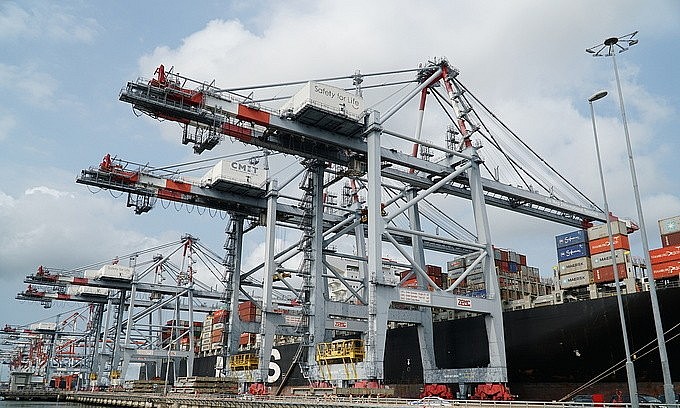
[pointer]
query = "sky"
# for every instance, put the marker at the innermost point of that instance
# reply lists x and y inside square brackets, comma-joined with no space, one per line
[63,65]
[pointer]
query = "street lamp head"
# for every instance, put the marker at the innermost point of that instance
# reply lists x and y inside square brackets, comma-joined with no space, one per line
[597,95]
[613,45]
[611,41]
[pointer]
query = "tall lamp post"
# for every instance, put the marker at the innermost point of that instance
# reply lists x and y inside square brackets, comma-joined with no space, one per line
[609,48]
[630,369]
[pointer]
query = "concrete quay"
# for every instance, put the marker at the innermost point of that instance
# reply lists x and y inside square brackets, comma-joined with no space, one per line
[119,399]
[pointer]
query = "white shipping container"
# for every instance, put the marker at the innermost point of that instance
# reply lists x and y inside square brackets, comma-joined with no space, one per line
[574,265]
[91,273]
[48,326]
[118,272]
[600,231]
[244,173]
[605,258]
[575,280]
[327,98]
[669,225]
[76,290]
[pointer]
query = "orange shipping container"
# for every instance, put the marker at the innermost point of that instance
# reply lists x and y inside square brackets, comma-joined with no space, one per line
[247,305]
[602,245]
[666,270]
[665,254]
[606,273]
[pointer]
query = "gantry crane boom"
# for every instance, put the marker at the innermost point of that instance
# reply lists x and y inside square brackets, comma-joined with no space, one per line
[144,183]
[212,113]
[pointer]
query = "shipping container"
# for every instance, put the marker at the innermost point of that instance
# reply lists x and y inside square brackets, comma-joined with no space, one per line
[455,264]
[664,254]
[670,239]
[669,225]
[605,274]
[572,252]
[571,238]
[522,259]
[574,280]
[227,174]
[86,291]
[600,231]
[218,326]
[43,326]
[605,258]
[325,98]
[475,278]
[666,270]
[115,272]
[601,245]
[574,265]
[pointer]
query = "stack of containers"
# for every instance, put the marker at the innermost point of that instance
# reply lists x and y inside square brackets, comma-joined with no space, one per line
[206,333]
[219,318]
[666,260]
[454,269]
[434,272]
[670,231]
[248,311]
[601,259]
[473,281]
[573,261]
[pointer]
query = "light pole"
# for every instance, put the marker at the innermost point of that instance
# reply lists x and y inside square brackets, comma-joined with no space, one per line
[630,369]
[609,48]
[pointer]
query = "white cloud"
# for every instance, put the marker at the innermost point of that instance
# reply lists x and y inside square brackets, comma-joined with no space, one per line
[46,21]
[64,229]
[14,21]
[28,83]
[49,191]
[7,124]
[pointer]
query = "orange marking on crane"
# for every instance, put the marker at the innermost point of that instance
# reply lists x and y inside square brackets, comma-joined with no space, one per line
[253,115]
[178,186]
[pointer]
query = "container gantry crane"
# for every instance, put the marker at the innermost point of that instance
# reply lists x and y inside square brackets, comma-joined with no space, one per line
[329,126]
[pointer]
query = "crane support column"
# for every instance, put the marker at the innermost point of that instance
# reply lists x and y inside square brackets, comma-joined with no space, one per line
[378,298]
[234,329]
[318,290]
[425,330]
[267,327]
[494,321]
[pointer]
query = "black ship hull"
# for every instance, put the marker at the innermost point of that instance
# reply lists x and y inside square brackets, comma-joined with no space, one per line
[550,350]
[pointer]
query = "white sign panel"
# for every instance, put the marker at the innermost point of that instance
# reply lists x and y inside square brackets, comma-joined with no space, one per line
[415,296]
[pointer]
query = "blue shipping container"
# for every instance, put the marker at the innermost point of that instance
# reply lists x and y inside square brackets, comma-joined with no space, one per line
[572,252]
[571,238]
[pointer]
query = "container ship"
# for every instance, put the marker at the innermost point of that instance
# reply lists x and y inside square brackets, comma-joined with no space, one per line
[560,333]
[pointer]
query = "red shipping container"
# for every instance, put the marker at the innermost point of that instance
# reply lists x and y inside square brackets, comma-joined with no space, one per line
[670,239]
[505,255]
[664,254]
[246,338]
[522,259]
[601,245]
[666,270]
[606,273]
[405,273]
